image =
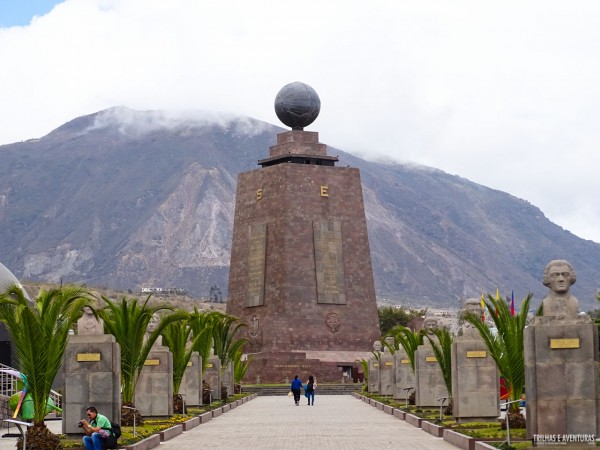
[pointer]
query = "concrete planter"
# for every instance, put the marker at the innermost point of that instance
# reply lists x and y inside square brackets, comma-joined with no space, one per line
[398,413]
[413,420]
[226,408]
[479,445]
[145,444]
[205,417]
[459,440]
[388,409]
[217,412]
[170,433]
[431,428]
[192,423]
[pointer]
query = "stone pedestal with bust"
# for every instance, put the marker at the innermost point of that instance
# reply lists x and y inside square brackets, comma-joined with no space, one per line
[373,383]
[475,379]
[91,374]
[300,273]
[430,384]
[405,375]
[212,375]
[561,362]
[191,383]
[154,388]
[387,373]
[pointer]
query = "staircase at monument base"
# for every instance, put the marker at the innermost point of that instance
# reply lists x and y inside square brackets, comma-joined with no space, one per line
[322,389]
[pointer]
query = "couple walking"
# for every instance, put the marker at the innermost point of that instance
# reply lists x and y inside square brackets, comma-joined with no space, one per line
[309,389]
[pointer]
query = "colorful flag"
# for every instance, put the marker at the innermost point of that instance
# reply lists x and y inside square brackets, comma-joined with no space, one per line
[482,307]
[497,300]
[512,303]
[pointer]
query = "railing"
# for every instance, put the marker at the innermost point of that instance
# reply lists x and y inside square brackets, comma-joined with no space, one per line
[9,385]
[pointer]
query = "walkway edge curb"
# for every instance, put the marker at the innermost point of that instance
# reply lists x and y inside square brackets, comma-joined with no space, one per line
[170,433]
[455,438]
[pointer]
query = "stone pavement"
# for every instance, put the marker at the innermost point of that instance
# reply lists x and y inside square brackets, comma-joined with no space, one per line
[335,422]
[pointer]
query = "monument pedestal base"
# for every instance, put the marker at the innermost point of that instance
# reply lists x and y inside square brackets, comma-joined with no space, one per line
[475,382]
[327,366]
[429,379]
[92,377]
[154,389]
[561,375]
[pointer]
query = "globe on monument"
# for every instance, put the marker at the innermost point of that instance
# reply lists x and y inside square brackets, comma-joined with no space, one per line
[297,105]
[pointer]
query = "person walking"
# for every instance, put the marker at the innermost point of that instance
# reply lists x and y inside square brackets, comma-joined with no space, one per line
[296,389]
[310,390]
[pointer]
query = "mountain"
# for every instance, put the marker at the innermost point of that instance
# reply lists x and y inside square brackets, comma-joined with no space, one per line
[126,199]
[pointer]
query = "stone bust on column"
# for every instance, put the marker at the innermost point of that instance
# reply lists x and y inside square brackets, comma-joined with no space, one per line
[89,324]
[472,306]
[559,276]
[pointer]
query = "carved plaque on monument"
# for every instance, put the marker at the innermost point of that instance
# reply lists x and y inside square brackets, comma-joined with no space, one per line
[329,262]
[255,293]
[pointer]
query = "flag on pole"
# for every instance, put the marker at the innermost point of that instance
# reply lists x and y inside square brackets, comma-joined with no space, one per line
[482,308]
[512,303]
[497,300]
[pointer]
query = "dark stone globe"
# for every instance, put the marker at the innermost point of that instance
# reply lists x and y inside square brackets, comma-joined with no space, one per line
[297,105]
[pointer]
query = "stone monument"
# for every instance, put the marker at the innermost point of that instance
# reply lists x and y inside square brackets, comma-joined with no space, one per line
[561,362]
[154,389]
[430,384]
[405,375]
[91,374]
[300,273]
[475,379]
[373,384]
[387,374]
[191,383]
[212,375]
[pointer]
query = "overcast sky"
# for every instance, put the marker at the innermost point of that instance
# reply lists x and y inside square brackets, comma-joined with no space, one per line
[505,94]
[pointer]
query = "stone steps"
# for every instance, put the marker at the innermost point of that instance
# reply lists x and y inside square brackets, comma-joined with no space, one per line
[322,389]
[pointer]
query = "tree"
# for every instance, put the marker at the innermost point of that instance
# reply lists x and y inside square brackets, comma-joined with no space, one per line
[127,321]
[40,331]
[176,337]
[409,340]
[507,347]
[201,323]
[224,329]
[215,295]
[442,349]
[391,316]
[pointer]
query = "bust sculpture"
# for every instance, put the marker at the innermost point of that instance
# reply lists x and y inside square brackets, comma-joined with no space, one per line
[472,306]
[430,325]
[377,346]
[559,276]
[390,341]
[152,326]
[89,325]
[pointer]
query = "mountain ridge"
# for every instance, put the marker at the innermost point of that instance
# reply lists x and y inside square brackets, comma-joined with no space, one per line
[125,199]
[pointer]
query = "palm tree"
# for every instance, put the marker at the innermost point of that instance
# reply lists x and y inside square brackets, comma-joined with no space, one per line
[176,337]
[442,349]
[507,347]
[40,331]
[240,367]
[128,321]
[201,323]
[409,340]
[224,329]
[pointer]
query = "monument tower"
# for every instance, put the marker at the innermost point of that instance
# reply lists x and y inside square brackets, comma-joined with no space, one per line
[300,273]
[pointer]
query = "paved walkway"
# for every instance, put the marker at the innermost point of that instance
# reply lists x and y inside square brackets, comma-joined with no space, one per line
[335,422]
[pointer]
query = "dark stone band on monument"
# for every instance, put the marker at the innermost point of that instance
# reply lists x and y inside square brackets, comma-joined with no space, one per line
[297,105]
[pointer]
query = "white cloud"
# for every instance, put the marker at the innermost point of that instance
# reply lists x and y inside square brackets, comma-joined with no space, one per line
[505,94]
